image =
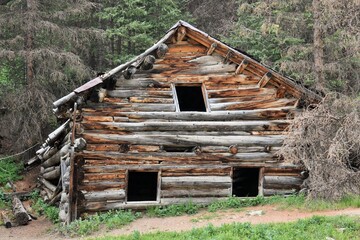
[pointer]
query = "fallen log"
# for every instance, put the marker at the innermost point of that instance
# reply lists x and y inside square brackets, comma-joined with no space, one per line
[53,174]
[21,216]
[6,220]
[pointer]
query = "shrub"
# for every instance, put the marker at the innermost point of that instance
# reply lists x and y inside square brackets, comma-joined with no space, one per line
[9,170]
[174,210]
[325,140]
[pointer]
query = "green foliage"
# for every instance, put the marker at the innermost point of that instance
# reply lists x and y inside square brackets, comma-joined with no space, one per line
[4,203]
[174,210]
[235,202]
[9,170]
[41,208]
[111,219]
[137,24]
[314,228]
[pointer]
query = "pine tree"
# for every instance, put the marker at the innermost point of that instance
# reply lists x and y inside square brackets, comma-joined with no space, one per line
[46,48]
[134,25]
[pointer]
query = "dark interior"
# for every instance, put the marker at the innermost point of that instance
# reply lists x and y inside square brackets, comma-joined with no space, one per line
[245,182]
[142,186]
[190,98]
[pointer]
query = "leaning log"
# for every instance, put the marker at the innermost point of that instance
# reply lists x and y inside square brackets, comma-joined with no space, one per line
[6,220]
[53,174]
[21,216]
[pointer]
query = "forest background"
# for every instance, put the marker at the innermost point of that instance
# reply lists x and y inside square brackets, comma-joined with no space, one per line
[48,48]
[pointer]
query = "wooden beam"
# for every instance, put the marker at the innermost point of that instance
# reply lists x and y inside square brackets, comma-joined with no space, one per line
[229,55]
[211,48]
[180,34]
[129,72]
[242,66]
[265,79]
[280,93]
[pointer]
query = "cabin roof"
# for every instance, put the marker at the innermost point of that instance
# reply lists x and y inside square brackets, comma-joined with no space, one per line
[236,56]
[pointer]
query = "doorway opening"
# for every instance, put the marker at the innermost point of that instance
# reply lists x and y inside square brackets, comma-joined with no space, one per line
[245,182]
[190,98]
[142,186]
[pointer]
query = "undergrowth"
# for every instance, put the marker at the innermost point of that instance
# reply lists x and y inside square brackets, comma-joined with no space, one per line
[340,227]
[9,170]
[93,223]
[173,210]
[41,208]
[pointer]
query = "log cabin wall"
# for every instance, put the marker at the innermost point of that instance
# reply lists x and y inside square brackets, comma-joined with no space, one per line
[139,127]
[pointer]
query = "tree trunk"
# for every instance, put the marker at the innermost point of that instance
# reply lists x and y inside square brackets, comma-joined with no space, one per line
[6,220]
[318,45]
[29,38]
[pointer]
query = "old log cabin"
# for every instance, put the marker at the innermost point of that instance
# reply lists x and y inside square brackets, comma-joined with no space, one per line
[190,118]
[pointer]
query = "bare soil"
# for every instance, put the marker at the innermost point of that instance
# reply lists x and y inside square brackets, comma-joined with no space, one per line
[42,229]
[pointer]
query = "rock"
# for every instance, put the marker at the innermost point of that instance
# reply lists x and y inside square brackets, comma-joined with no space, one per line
[255,213]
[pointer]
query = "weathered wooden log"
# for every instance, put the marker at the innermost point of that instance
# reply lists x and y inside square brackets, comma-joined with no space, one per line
[271,192]
[48,185]
[21,216]
[186,140]
[162,50]
[265,79]
[53,174]
[211,48]
[282,182]
[80,144]
[6,220]
[55,199]
[242,66]
[233,149]
[274,125]
[129,72]
[180,34]
[148,62]
[55,159]
[104,195]
[49,153]
[210,192]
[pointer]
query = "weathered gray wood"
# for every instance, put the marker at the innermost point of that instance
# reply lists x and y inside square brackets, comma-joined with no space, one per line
[105,195]
[200,180]
[270,114]
[48,185]
[52,174]
[55,159]
[282,182]
[135,93]
[192,126]
[210,192]
[271,192]
[186,140]
[21,216]
[196,200]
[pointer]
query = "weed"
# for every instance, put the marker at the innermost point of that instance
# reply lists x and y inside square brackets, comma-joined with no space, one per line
[235,202]
[174,210]
[312,228]
[4,203]
[111,219]
[41,208]
[9,170]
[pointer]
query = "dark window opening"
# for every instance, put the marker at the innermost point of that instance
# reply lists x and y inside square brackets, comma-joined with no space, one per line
[142,186]
[245,182]
[190,98]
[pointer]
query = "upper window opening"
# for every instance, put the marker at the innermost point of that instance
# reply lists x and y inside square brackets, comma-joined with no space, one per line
[190,98]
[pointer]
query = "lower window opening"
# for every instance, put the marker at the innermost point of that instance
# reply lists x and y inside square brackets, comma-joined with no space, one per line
[142,186]
[245,182]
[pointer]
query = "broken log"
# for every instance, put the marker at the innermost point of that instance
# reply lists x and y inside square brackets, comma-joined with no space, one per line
[162,50]
[148,62]
[6,220]
[21,216]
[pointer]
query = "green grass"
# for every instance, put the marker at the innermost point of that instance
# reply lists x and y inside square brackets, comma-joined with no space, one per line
[93,223]
[173,210]
[340,227]
[41,208]
[9,170]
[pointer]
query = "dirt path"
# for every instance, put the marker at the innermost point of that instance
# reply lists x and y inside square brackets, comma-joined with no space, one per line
[40,229]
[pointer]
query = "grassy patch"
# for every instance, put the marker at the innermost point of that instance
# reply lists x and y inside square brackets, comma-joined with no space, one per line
[41,208]
[205,217]
[4,203]
[93,223]
[314,228]
[173,210]
[9,170]
[235,202]
[300,202]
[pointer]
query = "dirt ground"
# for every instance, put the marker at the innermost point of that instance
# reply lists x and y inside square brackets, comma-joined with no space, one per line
[41,228]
